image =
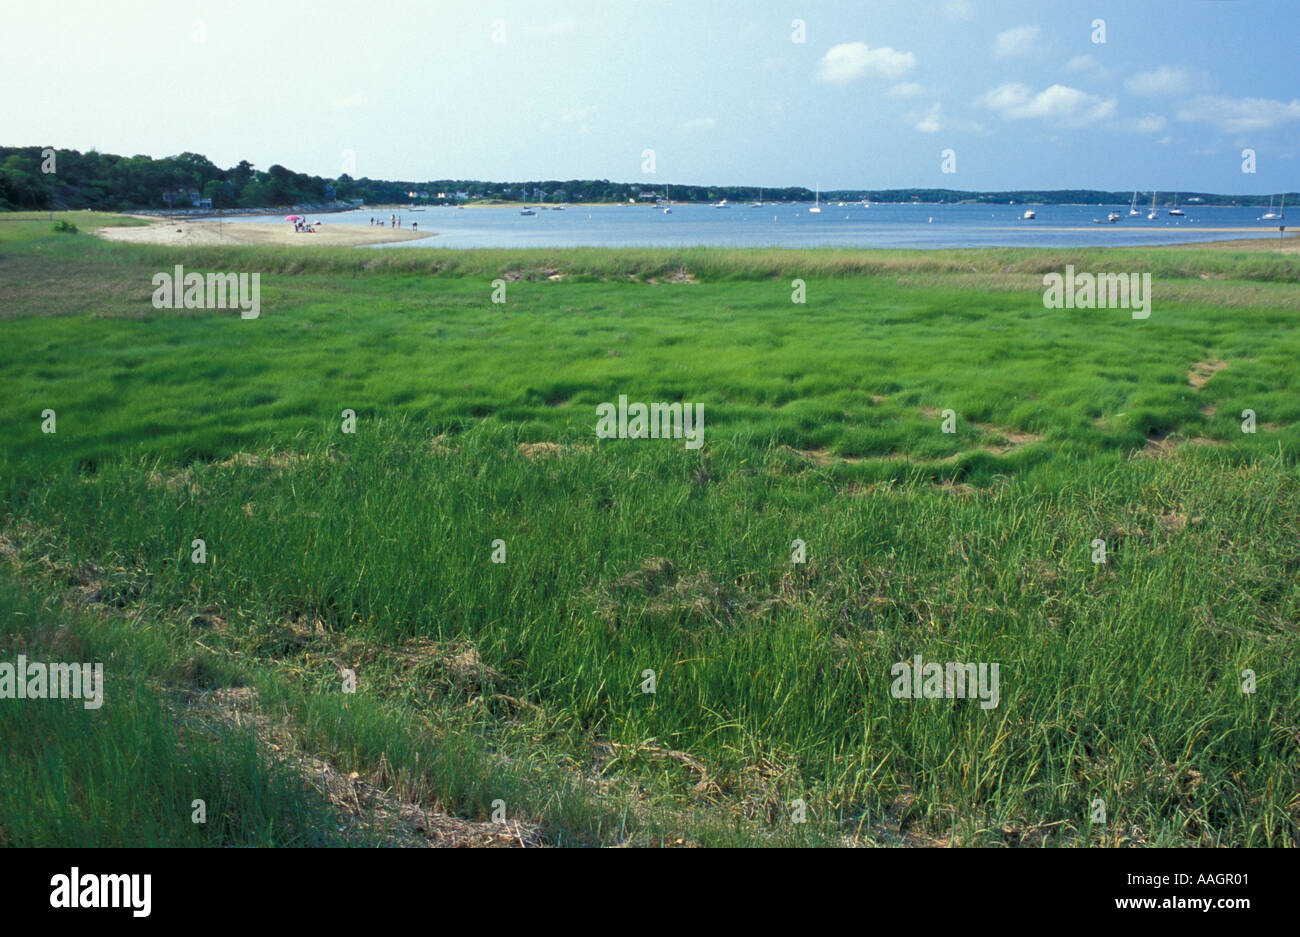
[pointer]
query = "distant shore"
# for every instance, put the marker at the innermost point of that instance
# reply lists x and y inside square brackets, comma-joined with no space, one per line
[212,232]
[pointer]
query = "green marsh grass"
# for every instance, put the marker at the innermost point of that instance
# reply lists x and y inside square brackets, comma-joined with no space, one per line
[521,680]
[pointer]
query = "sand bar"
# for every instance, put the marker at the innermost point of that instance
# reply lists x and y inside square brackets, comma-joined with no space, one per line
[194,233]
[1180,229]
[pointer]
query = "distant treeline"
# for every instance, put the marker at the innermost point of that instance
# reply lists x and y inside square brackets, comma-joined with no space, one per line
[33,177]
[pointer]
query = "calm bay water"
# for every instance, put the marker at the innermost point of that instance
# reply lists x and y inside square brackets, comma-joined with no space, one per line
[791,225]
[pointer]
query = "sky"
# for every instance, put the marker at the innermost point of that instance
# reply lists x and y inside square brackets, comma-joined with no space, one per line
[837,95]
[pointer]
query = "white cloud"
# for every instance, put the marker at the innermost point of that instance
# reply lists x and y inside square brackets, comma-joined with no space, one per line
[1152,123]
[1238,115]
[1015,42]
[906,89]
[931,121]
[1059,105]
[850,61]
[960,10]
[1089,66]
[1162,81]
[348,102]
[699,123]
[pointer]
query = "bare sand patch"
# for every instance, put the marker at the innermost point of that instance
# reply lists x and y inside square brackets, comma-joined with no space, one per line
[1009,439]
[1202,371]
[200,233]
[539,450]
[825,456]
[1160,445]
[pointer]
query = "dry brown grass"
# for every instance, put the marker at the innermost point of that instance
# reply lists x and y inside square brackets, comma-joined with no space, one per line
[366,805]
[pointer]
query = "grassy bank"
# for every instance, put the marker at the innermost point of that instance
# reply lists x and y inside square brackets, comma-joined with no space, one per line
[521,681]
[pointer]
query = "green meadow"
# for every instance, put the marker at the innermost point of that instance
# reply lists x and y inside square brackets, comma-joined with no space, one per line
[1162,683]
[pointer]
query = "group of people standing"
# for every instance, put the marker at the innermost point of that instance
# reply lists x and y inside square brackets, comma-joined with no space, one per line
[395,221]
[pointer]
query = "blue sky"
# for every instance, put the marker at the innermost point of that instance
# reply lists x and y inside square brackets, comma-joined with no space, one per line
[721,91]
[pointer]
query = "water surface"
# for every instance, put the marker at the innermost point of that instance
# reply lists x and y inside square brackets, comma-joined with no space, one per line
[792,225]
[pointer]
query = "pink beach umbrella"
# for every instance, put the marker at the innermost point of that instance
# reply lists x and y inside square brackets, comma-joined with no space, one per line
[292,218]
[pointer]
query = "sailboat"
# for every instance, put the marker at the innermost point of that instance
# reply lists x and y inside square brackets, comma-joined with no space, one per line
[817,205]
[1176,211]
[1271,215]
[1151,215]
[759,203]
[1133,209]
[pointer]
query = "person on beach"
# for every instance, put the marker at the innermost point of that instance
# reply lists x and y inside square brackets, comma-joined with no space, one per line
[392,221]
[415,226]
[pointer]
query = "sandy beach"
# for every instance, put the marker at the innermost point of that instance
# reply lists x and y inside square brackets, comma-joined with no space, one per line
[247,232]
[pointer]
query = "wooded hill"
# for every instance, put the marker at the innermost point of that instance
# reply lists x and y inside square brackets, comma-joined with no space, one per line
[33,177]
